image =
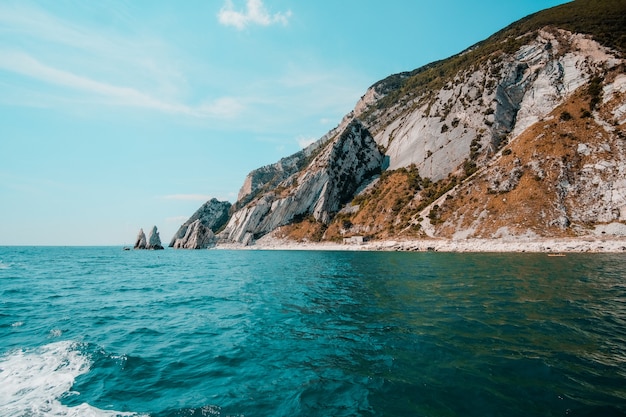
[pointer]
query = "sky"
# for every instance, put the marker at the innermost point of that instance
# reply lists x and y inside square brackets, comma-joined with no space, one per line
[119,115]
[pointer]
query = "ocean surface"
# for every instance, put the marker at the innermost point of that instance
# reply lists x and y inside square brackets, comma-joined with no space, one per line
[103,332]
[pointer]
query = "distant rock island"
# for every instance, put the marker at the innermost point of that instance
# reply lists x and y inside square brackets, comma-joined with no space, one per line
[153,242]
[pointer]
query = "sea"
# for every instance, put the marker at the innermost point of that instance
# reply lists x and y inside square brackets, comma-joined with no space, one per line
[100,331]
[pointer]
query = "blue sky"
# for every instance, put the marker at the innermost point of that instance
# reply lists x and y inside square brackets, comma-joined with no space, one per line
[117,115]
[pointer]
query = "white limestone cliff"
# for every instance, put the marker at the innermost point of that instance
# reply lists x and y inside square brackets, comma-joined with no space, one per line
[457,116]
[327,182]
[199,231]
[197,236]
[492,103]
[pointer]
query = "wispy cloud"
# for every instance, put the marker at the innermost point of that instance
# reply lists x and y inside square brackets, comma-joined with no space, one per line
[176,219]
[58,63]
[26,65]
[187,197]
[255,13]
[303,142]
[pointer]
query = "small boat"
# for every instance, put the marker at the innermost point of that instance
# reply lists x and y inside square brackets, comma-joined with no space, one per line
[125,248]
[556,254]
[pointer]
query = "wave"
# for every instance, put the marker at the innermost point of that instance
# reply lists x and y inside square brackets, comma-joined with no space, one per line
[32,382]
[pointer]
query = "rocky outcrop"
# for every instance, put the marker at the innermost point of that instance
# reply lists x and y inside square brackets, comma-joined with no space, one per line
[270,176]
[154,240]
[319,190]
[140,241]
[197,236]
[488,104]
[199,231]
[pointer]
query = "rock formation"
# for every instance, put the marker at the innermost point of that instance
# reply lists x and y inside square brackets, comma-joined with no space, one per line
[197,236]
[521,134]
[199,231]
[140,242]
[328,181]
[154,241]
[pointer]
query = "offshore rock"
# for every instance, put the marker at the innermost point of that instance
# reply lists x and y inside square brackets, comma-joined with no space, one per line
[328,181]
[154,241]
[206,221]
[140,242]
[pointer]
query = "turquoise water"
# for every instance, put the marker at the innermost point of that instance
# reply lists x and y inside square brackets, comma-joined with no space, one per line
[101,331]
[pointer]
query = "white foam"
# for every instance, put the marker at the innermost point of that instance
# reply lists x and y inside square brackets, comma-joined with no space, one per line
[31,382]
[3,265]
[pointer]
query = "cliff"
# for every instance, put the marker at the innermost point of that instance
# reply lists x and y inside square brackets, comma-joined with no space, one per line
[329,179]
[522,134]
[199,231]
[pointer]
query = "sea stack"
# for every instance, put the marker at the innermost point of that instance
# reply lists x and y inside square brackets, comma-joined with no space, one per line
[154,241]
[140,242]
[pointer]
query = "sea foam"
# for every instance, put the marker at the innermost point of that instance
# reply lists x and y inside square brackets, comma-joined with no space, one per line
[33,381]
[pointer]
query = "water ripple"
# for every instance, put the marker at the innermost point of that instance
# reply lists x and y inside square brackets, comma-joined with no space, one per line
[220,333]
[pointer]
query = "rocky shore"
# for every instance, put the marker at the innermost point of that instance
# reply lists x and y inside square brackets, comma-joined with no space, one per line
[612,244]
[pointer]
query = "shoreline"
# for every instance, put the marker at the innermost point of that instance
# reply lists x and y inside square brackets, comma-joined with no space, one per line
[589,244]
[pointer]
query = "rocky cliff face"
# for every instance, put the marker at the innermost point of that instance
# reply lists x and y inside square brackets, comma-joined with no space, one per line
[329,180]
[564,175]
[487,104]
[154,240]
[199,231]
[197,236]
[532,121]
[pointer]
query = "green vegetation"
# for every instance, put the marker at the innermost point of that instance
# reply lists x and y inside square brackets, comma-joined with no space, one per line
[475,147]
[469,168]
[595,92]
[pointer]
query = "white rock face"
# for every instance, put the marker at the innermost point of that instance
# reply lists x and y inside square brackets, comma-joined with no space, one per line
[154,241]
[328,182]
[212,215]
[197,236]
[492,104]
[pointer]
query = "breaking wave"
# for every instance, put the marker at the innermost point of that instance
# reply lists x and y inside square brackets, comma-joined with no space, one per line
[33,382]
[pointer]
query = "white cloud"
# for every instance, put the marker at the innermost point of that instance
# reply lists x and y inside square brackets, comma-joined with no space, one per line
[303,142]
[255,13]
[188,197]
[223,108]
[25,65]
[176,219]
